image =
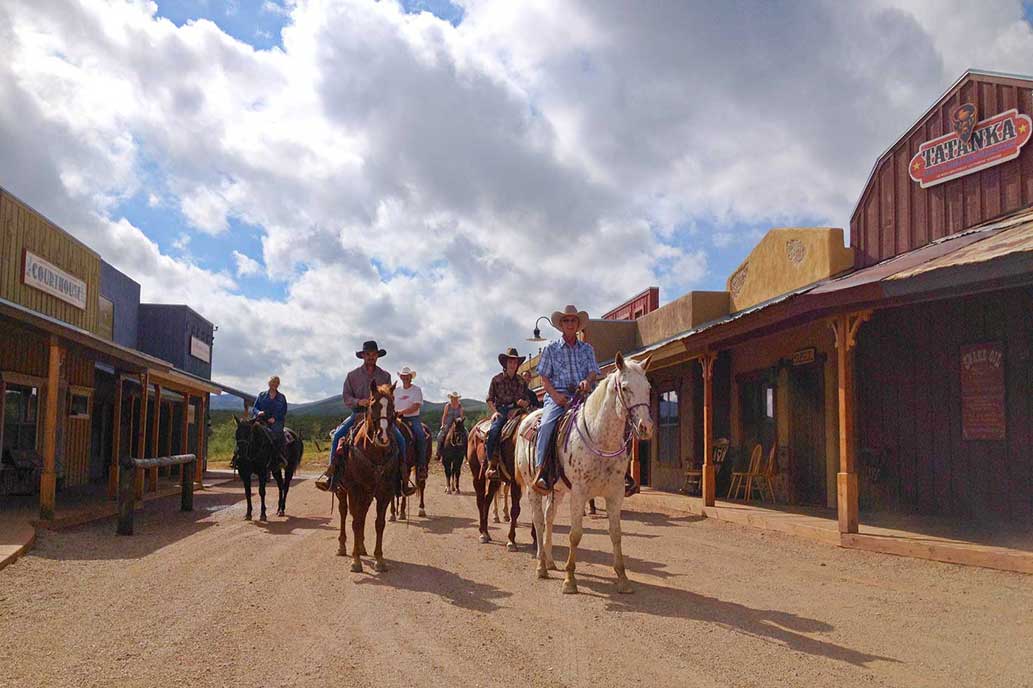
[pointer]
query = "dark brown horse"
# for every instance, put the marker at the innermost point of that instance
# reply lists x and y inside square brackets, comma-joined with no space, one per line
[484,489]
[254,453]
[371,472]
[399,507]
[452,451]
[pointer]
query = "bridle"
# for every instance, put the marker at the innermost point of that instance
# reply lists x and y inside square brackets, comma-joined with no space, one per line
[456,433]
[630,431]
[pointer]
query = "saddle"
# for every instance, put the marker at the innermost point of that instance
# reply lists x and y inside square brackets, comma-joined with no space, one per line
[508,430]
[552,470]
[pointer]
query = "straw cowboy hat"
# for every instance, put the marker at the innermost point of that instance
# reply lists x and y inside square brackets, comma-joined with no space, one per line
[407,371]
[371,346]
[582,317]
[454,395]
[511,353]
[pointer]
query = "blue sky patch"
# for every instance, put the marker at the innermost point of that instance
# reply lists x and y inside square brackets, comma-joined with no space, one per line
[255,22]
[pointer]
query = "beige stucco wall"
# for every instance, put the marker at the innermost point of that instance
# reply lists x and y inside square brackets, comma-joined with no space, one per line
[764,353]
[608,337]
[684,313]
[787,259]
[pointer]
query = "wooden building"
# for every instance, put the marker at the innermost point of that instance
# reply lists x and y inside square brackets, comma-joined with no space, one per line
[76,396]
[890,374]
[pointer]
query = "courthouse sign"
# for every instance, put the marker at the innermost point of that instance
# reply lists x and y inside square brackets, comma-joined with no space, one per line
[45,276]
[971,147]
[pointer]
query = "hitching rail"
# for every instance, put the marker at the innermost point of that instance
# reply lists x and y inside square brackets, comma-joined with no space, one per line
[127,492]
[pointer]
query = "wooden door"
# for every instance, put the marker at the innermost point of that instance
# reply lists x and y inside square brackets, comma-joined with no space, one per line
[807,435]
[757,402]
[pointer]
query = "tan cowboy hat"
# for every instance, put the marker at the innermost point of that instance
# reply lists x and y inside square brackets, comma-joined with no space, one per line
[406,370]
[511,353]
[454,395]
[582,316]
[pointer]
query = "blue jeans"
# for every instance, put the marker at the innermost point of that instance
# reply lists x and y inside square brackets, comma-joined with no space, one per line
[496,430]
[345,427]
[551,414]
[421,439]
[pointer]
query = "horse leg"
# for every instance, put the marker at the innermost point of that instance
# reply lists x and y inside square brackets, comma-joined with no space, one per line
[278,477]
[403,513]
[505,504]
[550,515]
[359,507]
[613,513]
[492,487]
[577,513]
[262,478]
[514,489]
[379,564]
[495,509]
[422,484]
[245,477]
[342,539]
[394,508]
[538,526]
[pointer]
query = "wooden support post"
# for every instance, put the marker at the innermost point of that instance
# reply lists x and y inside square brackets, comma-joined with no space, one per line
[184,435]
[116,439]
[202,429]
[636,467]
[709,488]
[3,406]
[845,328]
[126,495]
[152,474]
[186,482]
[141,431]
[48,480]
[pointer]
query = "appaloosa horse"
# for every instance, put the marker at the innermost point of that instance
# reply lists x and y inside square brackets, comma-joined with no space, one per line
[452,452]
[399,507]
[593,456]
[255,454]
[370,472]
[484,489]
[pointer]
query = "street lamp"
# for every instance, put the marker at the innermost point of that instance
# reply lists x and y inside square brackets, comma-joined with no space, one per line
[537,332]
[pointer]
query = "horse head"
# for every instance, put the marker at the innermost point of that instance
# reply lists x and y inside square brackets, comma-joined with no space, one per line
[380,413]
[457,433]
[250,438]
[633,395]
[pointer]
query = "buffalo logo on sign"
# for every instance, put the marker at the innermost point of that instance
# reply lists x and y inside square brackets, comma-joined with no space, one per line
[990,142]
[964,119]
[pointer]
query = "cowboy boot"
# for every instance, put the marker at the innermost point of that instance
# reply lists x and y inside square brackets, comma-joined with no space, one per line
[630,486]
[493,466]
[328,481]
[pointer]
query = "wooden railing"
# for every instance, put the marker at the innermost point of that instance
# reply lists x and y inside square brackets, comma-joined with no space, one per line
[128,467]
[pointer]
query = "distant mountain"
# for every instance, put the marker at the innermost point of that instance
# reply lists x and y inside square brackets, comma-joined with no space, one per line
[333,406]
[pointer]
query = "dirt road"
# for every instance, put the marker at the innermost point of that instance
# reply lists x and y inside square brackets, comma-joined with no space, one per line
[207,599]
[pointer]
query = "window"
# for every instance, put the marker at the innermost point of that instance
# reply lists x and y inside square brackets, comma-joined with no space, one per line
[78,405]
[20,412]
[668,428]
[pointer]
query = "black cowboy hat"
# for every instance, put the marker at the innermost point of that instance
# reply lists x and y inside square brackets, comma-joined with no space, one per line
[369,346]
[511,353]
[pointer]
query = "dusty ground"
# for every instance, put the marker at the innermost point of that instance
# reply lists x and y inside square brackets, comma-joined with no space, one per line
[207,599]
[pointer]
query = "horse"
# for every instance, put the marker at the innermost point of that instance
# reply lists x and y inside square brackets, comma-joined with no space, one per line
[255,454]
[452,451]
[484,489]
[593,457]
[399,506]
[370,472]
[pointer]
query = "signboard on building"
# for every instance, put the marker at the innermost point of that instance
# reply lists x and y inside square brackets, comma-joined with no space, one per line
[45,276]
[982,392]
[200,350]
[971,146]
[804,356]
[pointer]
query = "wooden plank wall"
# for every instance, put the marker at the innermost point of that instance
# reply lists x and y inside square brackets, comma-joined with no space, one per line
[894,214]
[22,228]
[909,403]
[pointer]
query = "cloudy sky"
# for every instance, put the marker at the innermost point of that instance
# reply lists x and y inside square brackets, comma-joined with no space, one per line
[309,174]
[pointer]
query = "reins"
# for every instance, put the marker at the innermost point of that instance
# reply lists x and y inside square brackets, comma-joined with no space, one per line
[629,429]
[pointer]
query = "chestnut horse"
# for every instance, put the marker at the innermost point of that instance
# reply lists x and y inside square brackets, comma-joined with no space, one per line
[370,472]
[484,489]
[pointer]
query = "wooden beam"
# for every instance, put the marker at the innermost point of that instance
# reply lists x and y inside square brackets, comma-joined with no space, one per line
[709,488]
[845,327]
[48,480]
[116,439]
[141,433]
[152,474]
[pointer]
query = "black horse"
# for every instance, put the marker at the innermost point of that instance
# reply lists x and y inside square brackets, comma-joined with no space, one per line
[452,452]
[255,454]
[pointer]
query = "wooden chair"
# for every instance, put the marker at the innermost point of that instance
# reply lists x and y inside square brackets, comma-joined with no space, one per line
[765,476]
[742,480]
[694,474]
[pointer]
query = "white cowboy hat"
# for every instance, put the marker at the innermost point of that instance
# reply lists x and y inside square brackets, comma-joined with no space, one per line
[454,395]
[407,371]
[582,317]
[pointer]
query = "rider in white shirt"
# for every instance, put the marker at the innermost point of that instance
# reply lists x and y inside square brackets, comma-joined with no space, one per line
[408,399]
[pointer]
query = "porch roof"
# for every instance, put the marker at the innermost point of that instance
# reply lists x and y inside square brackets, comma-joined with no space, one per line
[995,255]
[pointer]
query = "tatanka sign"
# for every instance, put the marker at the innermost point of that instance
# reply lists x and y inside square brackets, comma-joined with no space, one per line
[971,147]
[45,276]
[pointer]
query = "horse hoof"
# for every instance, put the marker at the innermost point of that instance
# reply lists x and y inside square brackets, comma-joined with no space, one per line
[423,512]
[392,518]
[543,572]
[356,567]
[495,519]
[569,587]
[263,517]
[485,539]
[624,587]
[280,512]
[553,567]
[380,566]
[363,552]
[342,552]
[247,516]
[511,546]
[506,519]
